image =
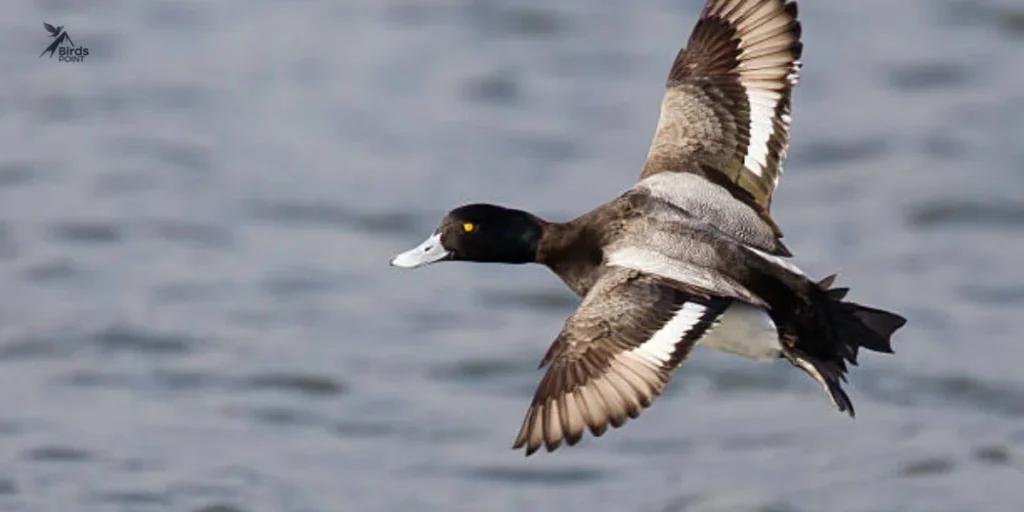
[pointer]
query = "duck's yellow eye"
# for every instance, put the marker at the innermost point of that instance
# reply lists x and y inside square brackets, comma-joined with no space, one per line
[468,227]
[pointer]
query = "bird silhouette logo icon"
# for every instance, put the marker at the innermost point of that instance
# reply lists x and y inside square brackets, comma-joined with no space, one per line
[63,45]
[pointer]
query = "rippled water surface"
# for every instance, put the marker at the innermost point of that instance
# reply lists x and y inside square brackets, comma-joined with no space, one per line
[195,225]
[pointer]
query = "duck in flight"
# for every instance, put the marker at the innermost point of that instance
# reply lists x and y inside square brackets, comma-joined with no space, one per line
[690,254]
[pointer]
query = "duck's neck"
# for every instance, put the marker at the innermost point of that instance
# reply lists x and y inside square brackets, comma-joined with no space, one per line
[572,252]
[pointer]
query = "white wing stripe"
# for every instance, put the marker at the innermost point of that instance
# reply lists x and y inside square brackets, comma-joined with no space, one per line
[762,111]
[659,348]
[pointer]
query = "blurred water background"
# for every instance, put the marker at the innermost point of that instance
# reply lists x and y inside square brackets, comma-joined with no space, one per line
[196,222]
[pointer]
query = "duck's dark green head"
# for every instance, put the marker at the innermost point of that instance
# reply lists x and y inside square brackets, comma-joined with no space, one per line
[478,232]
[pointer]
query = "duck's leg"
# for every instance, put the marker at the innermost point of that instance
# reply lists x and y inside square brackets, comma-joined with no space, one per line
[827,375]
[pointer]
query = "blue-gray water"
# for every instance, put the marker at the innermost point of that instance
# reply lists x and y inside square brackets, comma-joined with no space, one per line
[195,226]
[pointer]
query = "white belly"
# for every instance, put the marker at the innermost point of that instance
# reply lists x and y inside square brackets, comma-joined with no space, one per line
[747,331]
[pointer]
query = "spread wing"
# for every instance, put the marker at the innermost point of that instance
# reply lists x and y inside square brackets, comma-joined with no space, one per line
[50,28]
[726,110]
[615,355]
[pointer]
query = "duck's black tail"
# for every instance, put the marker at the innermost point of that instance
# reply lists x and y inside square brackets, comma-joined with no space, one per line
[857,325]
[849,326]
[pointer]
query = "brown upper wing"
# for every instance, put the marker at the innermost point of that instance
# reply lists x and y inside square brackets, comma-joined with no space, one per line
[726,111]
[615,355]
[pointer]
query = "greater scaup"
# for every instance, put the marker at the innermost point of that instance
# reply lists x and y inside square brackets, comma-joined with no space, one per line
[689,255]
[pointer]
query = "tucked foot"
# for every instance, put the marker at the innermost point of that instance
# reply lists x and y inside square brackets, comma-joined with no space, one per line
[828,375]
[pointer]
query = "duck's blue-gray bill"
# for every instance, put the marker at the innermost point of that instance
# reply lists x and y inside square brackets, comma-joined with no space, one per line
[428,252]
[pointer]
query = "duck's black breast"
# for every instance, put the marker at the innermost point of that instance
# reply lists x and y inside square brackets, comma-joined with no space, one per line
[575,250]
